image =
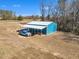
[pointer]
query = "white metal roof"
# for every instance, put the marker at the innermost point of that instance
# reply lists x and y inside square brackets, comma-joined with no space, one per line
[34,26]
[39,23]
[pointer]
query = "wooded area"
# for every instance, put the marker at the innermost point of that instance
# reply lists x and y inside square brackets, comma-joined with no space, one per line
[9,15]
[65,13]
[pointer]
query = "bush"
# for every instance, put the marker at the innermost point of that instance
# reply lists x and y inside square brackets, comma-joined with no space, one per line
[20,18]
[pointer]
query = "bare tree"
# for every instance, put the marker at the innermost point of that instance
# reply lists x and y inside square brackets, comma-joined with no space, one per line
[65,13]
[42,8]
[46,9]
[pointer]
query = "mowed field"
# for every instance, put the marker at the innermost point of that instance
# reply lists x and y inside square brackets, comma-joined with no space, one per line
[56,46]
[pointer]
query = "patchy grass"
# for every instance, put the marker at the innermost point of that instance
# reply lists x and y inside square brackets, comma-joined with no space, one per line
[6,51]
[13,46]
[32,53]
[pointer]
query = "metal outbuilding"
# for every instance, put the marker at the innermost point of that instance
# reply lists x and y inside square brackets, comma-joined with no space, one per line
[43,27]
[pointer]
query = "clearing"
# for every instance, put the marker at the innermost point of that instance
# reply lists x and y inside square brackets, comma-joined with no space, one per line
[57,46]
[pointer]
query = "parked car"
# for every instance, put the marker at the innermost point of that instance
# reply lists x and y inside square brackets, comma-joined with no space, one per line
[24,32]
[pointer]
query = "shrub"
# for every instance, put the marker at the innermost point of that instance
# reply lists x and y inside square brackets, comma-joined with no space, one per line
[19,18]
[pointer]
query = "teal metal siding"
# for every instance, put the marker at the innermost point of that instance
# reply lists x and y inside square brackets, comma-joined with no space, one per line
[51,28]
[44,31]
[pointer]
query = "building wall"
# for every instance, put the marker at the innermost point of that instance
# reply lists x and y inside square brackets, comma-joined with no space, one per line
[51,28]
[44,31]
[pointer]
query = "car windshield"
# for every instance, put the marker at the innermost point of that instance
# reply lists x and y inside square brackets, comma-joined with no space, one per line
[24,30]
